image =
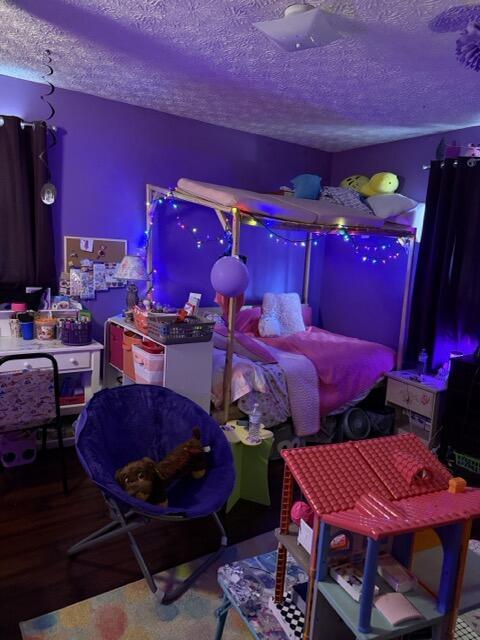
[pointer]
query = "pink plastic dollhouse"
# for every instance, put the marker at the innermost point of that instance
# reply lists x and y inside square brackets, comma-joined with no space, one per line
[383,489]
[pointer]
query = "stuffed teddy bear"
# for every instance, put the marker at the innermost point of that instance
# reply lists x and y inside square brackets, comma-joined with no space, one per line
[148,480]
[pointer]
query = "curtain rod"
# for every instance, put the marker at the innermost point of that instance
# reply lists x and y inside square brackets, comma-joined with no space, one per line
[471,162]
[24,124]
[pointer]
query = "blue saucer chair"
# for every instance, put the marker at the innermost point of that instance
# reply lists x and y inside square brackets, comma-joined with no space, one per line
[128,423]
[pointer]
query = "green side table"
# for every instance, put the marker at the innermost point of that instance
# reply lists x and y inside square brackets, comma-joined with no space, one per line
[251,465]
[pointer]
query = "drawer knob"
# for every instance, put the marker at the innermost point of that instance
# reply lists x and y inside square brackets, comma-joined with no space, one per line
[73,360]
[27,366]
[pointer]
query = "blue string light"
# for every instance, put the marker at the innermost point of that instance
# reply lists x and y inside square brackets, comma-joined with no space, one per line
[368,253]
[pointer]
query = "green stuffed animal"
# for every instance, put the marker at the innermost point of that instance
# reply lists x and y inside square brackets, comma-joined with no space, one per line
[380,183]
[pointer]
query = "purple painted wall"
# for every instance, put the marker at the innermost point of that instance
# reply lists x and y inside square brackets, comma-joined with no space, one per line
[405,158]
[368,304]
[108,151]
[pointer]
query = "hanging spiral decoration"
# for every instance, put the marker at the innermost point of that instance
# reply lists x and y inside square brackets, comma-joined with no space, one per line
[48,192]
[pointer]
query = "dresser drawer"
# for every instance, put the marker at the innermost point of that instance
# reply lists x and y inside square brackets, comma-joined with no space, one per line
[73,360]
[65,361]
[397,393]
[421,401]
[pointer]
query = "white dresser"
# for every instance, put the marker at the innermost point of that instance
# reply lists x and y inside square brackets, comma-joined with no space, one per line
[81,360]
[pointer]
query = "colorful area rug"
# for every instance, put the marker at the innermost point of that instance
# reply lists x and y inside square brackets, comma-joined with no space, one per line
[133,613]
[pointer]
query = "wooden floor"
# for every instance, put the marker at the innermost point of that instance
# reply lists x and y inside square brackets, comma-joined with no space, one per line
[38,524]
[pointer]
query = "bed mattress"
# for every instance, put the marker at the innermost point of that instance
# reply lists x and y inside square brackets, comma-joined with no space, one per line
[283,208]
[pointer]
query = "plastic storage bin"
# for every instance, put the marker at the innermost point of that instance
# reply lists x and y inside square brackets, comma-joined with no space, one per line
[167,330]
[115,346]
[129,340]
[148,359]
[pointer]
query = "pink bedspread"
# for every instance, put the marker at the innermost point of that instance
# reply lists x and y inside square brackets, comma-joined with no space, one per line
[346,367]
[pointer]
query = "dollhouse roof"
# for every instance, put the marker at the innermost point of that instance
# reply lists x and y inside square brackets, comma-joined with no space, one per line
[379,487]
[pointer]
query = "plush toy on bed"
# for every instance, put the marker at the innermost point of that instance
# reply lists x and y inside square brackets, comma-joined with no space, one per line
[148,480]
[380,183]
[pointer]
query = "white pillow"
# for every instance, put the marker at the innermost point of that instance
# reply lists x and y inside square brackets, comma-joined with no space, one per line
[281,315]
[386,205]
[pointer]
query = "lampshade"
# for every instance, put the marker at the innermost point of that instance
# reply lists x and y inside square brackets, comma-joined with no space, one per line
[131,268]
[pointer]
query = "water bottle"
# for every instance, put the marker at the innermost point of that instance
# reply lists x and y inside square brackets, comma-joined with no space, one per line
[422,363]
[254,424]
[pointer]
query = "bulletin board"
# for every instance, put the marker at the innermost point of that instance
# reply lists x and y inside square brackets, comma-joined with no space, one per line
[97,249]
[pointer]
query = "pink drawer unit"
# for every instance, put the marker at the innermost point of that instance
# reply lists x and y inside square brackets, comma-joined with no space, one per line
[115,346]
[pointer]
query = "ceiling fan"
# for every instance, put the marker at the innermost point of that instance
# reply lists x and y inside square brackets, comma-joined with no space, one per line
[302,26]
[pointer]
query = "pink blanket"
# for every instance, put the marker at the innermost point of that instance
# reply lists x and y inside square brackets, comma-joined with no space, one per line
[346,367]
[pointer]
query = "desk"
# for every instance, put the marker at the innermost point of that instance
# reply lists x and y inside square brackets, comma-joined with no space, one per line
[84,360]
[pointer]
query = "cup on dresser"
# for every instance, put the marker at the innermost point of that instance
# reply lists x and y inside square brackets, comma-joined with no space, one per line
[14,325]
[26,329]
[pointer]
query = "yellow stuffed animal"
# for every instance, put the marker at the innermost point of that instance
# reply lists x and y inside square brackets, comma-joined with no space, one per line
[383,182]
[354,182]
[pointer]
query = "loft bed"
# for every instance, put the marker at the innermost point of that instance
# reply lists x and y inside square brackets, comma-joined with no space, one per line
[234,207]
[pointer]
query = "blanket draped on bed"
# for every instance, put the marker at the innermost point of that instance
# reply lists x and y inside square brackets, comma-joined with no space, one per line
[324,372]
[346,367]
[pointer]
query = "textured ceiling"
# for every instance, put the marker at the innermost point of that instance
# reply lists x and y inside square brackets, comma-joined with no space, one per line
[390,77]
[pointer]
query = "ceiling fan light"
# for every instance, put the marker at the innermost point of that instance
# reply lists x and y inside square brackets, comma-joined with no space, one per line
[300,29]
[297,8]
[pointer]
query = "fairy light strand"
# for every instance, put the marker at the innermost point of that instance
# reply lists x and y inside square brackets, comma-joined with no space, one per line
[387,251]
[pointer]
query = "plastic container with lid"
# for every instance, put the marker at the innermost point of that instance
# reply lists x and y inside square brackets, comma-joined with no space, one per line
[129,339]
[148,359]
[45,328]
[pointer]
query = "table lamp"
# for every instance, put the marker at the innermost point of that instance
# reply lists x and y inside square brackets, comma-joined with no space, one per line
[131,268]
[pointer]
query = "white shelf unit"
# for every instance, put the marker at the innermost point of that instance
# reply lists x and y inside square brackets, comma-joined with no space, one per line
[187,367]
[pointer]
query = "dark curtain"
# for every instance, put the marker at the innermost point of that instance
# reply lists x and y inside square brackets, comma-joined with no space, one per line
[445,312]
[26,231]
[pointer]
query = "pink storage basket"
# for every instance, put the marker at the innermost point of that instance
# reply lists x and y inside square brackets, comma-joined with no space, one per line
[148,360]
[115,345]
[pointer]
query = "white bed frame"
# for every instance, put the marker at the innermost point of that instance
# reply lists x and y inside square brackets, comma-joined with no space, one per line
[231,218]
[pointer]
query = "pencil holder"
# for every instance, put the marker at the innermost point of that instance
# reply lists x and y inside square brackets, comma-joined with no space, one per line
[76,332]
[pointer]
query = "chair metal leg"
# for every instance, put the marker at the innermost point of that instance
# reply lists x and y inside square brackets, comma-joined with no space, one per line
[108,532]
[44,438]
[143,567]
[123,524]
[61,449]
[173,595]
[221,614]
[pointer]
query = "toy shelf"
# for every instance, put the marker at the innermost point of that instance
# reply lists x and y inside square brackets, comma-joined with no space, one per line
[427,567]
[290,543]
[349,610]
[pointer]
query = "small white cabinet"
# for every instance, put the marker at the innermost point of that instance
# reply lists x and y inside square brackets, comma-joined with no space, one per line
[187,367]
[420,404]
